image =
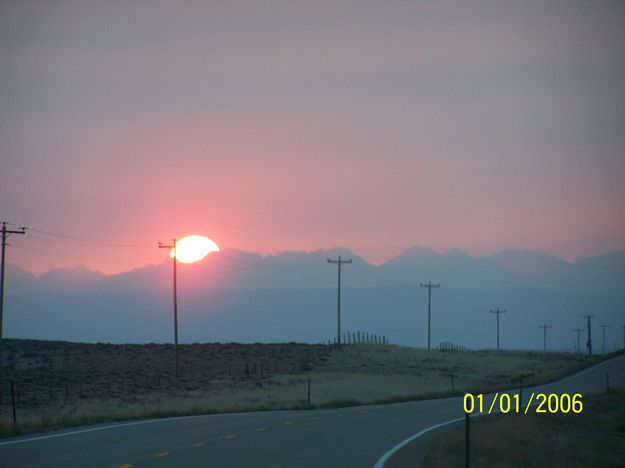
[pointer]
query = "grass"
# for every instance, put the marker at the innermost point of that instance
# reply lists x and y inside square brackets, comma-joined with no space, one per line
[68,384]
[596,437]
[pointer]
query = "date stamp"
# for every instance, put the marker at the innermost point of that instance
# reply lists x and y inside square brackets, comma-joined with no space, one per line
[547,403]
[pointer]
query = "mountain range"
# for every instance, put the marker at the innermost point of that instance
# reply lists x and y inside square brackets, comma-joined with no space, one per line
[291,296]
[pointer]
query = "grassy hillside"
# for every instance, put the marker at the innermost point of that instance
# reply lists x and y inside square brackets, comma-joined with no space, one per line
[62,384]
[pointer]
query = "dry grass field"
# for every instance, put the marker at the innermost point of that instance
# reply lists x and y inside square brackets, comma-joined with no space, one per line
[60,384]
[596,437]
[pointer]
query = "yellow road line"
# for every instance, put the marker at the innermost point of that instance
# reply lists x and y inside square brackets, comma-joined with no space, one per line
[125,466]
[260,429]
[162,454]
[199,444]
[231,436]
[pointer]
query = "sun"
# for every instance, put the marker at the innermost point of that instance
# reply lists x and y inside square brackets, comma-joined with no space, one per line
[191,249]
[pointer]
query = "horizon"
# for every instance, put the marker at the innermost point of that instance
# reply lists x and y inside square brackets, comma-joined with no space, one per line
[166,259]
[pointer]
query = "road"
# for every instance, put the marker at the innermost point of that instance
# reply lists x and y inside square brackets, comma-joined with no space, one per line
[352,437]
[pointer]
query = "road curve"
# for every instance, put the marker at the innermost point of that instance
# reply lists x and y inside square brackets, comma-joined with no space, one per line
[354,437]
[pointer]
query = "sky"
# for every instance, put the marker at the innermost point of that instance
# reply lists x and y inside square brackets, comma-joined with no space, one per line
[271,126]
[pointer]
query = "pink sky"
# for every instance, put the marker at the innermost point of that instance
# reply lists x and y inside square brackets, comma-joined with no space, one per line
[273,128]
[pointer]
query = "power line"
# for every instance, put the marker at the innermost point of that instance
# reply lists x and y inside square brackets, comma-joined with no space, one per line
[90,256]
[384,282]
[429,286]
[544,327]
[80,243]
[498,312]
[261,264]
[5,234]
[339,263]
[85,239]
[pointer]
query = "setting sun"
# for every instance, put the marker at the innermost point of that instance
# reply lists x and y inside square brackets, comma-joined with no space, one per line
[191,249]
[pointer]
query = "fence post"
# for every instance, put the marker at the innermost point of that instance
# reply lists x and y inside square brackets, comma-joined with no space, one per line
[13,404]
[309,391]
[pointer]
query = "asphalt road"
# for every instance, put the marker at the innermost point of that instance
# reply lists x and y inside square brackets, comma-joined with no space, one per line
[351,437]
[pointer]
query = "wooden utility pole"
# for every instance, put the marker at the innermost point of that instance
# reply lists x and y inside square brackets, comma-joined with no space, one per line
[173,246]
[544,327]
[5,234]
[579,331]
[429,286]
[339,263]
[589,342]
[498,312]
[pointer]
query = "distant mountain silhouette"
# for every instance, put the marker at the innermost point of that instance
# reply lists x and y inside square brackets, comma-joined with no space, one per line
[291,296]
[236,269]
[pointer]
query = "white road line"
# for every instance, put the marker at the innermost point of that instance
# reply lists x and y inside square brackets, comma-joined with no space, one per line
[103,428]
[384,458]
[152,421]
[582,372]
[132,423]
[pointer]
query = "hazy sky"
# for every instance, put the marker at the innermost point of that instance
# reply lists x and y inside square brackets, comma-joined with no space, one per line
[274,126]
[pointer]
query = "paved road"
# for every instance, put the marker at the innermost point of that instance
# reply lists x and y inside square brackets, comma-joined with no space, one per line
[351,437]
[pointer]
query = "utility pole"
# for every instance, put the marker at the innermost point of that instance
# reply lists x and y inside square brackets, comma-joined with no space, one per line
[578,330]
[429,286]
[339,263]
[173,246]
[623,327]
[589,342]
[544,327]
[603,343]
[498,312]
[5,234]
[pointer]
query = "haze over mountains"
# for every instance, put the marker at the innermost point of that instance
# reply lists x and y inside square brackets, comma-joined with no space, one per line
[291,296]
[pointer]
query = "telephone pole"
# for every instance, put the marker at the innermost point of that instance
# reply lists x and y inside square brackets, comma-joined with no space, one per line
[603,343]
[173,246]
[498,312]
[429,286]
[544,327]
[578,330]
[623,327]
[5,234]
[339,263]
[589,342]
